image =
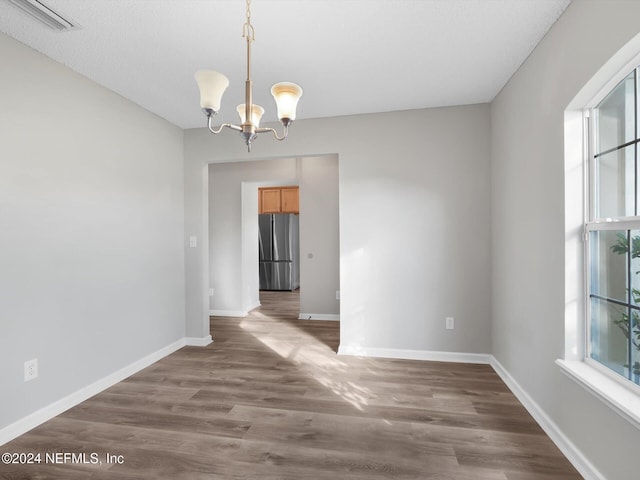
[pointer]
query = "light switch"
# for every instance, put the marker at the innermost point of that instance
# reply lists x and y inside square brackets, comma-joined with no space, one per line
[193,241]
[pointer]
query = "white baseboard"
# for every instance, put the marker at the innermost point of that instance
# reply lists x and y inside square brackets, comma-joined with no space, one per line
[198,341]
[227,313]
[319,316]
[415,354]
[575,456]
[56,408]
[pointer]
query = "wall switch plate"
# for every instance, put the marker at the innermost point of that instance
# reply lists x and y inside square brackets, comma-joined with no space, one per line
[337,294]
[449,323]
[211,292]
[193,241]
[30,369]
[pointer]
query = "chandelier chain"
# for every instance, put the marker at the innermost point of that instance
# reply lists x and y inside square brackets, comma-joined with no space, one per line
[247,29]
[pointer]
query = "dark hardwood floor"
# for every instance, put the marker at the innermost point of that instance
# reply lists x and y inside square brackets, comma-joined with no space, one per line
[270,399]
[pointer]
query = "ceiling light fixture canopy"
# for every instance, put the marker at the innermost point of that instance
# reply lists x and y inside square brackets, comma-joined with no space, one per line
[212,85]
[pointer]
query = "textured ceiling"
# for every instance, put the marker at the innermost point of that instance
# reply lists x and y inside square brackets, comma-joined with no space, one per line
[349,56]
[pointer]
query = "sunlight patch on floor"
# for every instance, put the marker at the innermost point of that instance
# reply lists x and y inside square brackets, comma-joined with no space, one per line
[310,354]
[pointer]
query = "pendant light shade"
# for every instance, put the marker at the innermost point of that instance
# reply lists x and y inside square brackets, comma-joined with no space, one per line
[286,95]
[256,113]
[212,85]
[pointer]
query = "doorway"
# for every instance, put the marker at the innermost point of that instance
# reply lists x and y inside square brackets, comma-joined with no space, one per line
[233,233]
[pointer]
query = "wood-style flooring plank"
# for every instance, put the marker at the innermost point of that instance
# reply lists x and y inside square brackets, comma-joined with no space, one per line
[271,400]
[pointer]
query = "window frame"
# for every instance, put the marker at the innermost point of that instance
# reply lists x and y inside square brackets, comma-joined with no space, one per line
[595,224]
[606,386]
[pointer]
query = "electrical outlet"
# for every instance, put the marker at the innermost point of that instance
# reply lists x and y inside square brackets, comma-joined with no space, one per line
[449,323]
[211,292]
[30,369]
[193,241]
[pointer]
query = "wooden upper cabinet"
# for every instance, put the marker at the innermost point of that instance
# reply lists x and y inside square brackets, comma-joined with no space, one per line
[270,200]
[278,200]
[289,200]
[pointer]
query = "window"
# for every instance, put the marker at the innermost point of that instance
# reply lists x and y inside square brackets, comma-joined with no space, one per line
[613,231]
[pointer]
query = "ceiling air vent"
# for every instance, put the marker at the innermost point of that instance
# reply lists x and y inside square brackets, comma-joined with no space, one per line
[45,15]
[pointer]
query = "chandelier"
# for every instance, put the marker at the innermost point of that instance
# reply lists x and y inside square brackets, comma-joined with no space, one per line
[212,85]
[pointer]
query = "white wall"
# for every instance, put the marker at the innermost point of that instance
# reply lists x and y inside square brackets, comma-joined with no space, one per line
[528,209]
[91,222]
[250,281]
[414,222]
[233,231]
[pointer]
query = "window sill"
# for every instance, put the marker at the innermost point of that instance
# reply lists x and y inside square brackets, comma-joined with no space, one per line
[622,400]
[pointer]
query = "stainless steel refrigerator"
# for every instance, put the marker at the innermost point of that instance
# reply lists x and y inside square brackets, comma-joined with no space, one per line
[279,250]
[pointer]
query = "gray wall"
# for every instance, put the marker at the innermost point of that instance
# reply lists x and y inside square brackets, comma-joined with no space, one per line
[528,210]
[233,233]
[91,222]
[319,237]
[414,222]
